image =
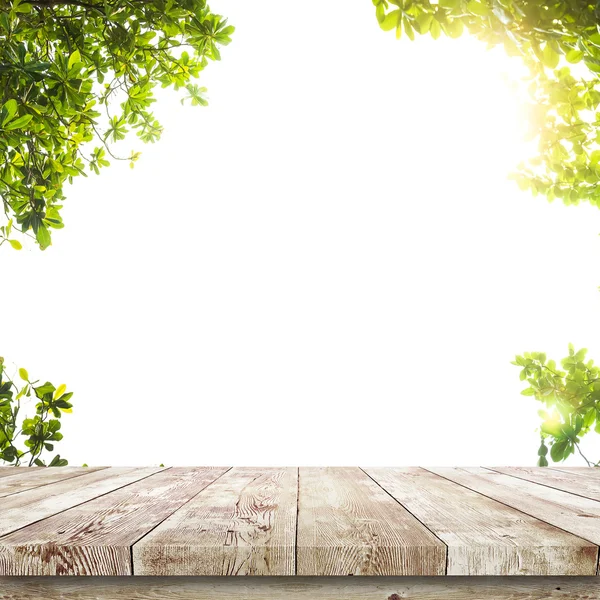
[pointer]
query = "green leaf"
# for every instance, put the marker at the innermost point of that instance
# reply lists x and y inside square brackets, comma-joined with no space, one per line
[574,56]
[22,7]
[62,405]
[23,374]
[449,3]
[558,449]
[542,450]
[408,29]
[424,21]
[550,57]
[74,58]
[18,123]
[10,108]
[454,28]
[552,428]
[435,29]
[391,20]
[15,244]
[590,417]
[43,237]
[477,8]
[57,461]
[47,388]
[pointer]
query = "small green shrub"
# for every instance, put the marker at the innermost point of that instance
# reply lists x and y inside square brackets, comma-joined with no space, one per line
[571,398]
[37,433]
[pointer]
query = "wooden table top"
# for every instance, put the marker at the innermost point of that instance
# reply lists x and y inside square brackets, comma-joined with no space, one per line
[222,521]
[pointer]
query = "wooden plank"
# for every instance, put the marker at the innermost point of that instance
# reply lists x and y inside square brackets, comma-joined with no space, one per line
[593,472]
[40,477]
[575,514]
[11,471]
[33,505]
[560,480]
[347,525]
[485,537]
[243,524]
[299,588]
[95,538]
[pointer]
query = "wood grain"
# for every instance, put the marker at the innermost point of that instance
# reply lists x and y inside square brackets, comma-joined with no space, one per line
[485,537]
[95,538]
[11,471]
[243,524]
[39,477]
[593,472]
[307,522]
[578,515]
[300,588]
[560,480]
[33,505]
[347,525]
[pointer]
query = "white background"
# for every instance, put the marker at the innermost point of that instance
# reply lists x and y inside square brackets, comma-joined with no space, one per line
[325,266]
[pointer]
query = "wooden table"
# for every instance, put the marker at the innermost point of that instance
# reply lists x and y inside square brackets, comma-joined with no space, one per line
[303,532]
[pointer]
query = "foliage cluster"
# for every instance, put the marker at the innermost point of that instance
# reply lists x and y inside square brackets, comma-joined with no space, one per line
[39,433]
[565,107]
[62,62]
[571,397]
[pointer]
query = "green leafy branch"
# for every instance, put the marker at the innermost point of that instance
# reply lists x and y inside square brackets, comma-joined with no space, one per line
[61,61]
[41,431]
[571,398]
[548,36]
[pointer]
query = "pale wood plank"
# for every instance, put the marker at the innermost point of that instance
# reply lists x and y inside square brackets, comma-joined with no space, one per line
[485,537]
[95,538]
[347,525]
[27,507]
[587,471]
[11,471]
[561,480]
[40,477]
[299,588]
[575,514]
[243,524]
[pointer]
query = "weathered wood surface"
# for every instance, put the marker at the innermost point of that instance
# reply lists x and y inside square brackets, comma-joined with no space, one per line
[243,524]
[300,522]
[32,505]
[568,481]
[485,537]
[300,588]
[575,514]
[28,478]
[348,525]
[12,471]
[587,471]
[95,538]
